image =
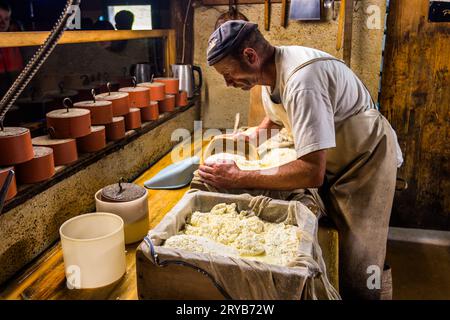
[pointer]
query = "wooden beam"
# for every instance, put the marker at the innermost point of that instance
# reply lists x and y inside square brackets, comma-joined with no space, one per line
[184,33]
[24,39]
[170,52]
[226,2]
[348,32]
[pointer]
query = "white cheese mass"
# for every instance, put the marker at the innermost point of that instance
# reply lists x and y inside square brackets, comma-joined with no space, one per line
[225,231]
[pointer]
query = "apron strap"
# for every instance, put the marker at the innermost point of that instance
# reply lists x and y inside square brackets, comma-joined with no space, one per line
[307,63]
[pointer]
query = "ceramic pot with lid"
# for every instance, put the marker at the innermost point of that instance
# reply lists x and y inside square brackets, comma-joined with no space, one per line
[94,141]
[15,146]
[116,129]
[151,112]
[172,84]
[168,104]
[40,168]
[181,99]
[120,102]
[157,90]
[139,96]
[133,119]
[101,110]
[64,150]
[69,122]
[130,202]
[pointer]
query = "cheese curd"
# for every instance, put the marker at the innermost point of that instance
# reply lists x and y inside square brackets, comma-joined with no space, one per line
[227,231]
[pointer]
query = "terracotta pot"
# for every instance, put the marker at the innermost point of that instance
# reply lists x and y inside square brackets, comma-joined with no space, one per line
[181,99]
[157,90]
[116,129]
[120,102]
[93,142]
[133,119]
[151,112]
[12,190]
[71,123]
[64,150]
[101,110]
[15,146]
[139,96]
[40,168]
[172,84]
[168,104]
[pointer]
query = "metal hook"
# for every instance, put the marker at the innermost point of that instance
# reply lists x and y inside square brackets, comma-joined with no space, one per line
[151,79]
[93,95]
[108,86]
[120,184]
[67,103]
[51,132]
[134,81]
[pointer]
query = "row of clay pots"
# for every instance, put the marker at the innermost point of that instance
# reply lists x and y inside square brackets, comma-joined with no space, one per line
[84,128]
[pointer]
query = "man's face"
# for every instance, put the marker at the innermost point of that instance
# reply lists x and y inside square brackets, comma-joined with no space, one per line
[242,74]
[5,17]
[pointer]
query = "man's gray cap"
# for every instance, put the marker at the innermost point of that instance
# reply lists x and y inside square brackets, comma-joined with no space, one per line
[227,37]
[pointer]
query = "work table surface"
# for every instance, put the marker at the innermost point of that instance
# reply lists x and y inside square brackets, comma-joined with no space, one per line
[45,279]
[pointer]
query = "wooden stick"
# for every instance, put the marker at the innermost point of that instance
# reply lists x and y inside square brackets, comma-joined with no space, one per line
[340,25]
[266,14]
[348,32]
[283,13]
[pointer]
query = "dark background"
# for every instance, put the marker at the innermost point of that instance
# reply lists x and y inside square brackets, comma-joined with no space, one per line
[46,12]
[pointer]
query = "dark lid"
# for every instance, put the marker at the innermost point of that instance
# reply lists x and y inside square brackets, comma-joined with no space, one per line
[122,192]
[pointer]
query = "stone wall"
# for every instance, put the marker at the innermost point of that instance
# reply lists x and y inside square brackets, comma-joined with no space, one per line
[222,103]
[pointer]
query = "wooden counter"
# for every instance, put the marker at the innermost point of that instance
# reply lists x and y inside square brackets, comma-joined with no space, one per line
[45,278]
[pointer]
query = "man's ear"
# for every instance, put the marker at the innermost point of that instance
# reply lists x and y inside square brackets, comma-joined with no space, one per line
[250,55]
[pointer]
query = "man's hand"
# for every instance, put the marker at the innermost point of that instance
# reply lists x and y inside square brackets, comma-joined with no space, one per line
[224,174]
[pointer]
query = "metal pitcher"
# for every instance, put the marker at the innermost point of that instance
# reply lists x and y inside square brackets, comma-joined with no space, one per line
[185,73]
[142,71]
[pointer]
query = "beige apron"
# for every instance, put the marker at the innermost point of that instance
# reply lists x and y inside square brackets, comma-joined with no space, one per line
[358,194]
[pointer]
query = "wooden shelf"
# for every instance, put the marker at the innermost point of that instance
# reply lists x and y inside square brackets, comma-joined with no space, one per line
[24,39]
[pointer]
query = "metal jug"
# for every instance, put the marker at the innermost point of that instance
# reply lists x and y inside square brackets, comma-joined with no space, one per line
[142,71]
[185,73]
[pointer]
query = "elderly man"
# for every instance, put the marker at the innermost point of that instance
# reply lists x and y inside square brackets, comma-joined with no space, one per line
[343,144]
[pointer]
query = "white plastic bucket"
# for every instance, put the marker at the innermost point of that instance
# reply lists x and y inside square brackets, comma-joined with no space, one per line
[93,249]
[134,214]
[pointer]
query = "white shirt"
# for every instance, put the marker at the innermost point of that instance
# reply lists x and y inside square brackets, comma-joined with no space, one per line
[314,98]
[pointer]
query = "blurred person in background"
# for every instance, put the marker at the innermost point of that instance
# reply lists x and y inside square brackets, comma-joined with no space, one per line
[11,61]
[124,20]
